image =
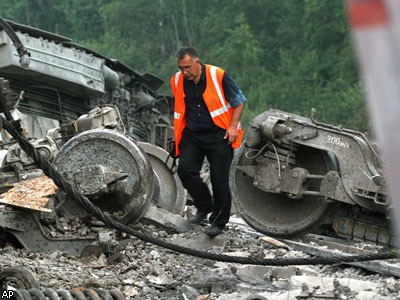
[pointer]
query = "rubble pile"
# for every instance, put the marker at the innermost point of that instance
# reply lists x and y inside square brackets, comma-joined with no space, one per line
[145,271]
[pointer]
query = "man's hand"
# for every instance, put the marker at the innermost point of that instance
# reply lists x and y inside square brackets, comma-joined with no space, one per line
[231,134]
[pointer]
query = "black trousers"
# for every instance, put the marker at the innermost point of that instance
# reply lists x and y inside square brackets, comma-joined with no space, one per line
[194,147]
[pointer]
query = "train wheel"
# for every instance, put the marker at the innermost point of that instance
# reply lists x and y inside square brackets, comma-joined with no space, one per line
[277,214]
[111,170]
[169,192]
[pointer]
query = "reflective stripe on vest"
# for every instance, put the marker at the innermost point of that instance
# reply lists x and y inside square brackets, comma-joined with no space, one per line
[224,108]
[177,76]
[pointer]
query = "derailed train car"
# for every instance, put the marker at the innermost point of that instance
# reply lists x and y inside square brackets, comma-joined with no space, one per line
[294,175]
[102,125]
[61,81]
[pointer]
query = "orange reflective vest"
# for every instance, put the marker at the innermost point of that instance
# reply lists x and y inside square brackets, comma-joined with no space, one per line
[214,97]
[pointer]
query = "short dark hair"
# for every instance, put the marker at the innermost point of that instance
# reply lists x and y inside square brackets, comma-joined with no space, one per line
[192,52]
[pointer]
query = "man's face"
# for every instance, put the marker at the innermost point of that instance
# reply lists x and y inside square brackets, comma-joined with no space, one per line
[190,68]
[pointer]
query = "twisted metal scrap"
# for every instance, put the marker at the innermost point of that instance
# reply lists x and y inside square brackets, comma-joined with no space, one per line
[73,193]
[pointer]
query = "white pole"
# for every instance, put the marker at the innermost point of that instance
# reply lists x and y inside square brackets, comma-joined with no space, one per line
[375,26]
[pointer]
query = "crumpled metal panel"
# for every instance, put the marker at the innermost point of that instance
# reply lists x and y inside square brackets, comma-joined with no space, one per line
[54,62]
[31,194]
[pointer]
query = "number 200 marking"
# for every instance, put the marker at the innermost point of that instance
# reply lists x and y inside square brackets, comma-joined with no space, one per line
[336,141]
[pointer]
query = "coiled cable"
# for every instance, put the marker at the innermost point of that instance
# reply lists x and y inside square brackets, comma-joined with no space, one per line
[61,294]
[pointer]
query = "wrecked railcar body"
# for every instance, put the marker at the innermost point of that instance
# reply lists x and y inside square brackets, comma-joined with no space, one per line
[63,81]
[102,125]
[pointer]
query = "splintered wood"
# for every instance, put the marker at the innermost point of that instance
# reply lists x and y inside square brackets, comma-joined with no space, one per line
[31,194]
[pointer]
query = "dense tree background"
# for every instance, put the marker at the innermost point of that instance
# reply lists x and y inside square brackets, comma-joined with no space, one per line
[288,55]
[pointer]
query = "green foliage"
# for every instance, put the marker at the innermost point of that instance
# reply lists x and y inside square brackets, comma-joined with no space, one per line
[289,55]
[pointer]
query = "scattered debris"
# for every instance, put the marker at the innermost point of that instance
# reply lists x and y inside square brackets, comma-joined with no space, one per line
[145,271]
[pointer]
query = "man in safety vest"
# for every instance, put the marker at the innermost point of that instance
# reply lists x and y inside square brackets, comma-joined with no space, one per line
[208,105]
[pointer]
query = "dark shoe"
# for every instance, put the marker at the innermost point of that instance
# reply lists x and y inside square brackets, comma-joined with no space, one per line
[213,230]
[198,217]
